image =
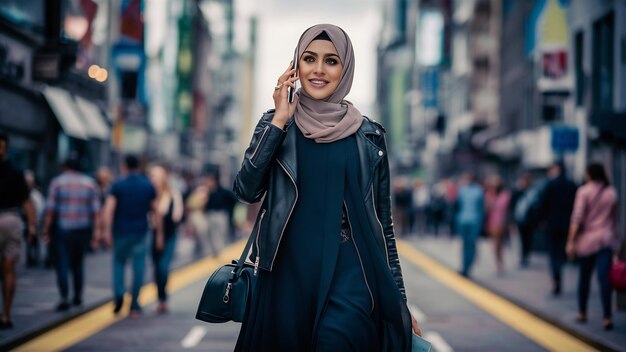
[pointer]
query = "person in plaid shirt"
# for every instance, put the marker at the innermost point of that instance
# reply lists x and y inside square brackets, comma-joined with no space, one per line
[72,207]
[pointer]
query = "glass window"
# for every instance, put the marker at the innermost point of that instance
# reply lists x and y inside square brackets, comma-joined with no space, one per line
[602,66]
[580,73]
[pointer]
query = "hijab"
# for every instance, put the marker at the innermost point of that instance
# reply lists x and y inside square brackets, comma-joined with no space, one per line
[333,118]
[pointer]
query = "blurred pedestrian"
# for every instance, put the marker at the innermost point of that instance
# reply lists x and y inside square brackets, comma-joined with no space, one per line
[39,203]
[73,208]
[593,238]
[170,210]
[402,206]
[436,208]
[524,205]
[14,197]
[130,202]
[332,280]
[470,216]
[196,220]
[104,178]
[556,203]
[420,201]
[497,200]
[451,192]
[219,210]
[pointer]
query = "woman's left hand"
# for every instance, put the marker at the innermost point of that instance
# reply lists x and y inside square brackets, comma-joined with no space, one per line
[416,328]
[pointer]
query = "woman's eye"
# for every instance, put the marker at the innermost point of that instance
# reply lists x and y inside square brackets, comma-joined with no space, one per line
[309,59]
[331,61]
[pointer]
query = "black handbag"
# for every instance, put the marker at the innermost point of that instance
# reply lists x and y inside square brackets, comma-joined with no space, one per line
[228,292]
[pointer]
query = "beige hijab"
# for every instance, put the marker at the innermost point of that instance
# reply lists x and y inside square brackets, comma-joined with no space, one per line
[333,118]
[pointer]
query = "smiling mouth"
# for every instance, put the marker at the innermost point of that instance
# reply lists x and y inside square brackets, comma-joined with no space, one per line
[318,83]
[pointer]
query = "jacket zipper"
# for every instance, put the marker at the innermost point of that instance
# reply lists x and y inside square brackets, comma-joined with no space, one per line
[258,144]
[258,233]
[360,260]
[382,232]
[290,211]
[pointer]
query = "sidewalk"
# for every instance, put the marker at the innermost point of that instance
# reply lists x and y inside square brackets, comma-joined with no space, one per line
[530,288]
[37,296]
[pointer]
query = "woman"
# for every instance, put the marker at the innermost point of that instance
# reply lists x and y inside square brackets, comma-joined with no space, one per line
[592,238]
[497,200]
[170,208]
[329,277]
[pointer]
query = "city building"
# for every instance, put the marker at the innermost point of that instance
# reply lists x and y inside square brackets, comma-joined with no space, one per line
[49,105]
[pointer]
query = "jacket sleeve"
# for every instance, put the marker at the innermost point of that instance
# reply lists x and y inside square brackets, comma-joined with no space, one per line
[251,180]
[383,209]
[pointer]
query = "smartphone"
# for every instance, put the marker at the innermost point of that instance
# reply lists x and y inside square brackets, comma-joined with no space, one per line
[292,91]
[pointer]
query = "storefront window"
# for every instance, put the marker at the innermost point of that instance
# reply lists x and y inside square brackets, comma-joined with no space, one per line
[602,98]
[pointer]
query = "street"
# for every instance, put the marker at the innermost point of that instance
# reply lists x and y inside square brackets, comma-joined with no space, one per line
[455,314]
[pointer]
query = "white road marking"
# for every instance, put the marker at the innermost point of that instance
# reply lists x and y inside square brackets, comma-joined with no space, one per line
[439,344]
[194,336]
[417,314]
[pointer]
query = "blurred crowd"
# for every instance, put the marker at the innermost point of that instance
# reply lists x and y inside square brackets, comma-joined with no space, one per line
[140,212]
[135,215]
[543,211]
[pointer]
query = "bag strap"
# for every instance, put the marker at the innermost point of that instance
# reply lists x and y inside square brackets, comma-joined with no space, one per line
[592,204]
[242,259]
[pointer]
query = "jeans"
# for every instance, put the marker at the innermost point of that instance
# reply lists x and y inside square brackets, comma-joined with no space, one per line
[70,246]
[161,261]
[558,241]
[469,233]
[526,237]
[127,246]
[602,261]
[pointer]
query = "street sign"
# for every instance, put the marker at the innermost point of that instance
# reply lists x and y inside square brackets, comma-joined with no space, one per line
[564,139]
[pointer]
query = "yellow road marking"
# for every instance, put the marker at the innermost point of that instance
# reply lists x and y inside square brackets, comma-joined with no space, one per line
[540,331]
[88,324]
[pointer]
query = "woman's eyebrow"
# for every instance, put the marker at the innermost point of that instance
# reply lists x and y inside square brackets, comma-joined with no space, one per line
[316,54]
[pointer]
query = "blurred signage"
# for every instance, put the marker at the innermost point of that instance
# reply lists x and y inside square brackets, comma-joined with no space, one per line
[555,73]
[429,82]
[430,46]
[131,21]
[555,64]
[184,67]
[128,52]
[564,139]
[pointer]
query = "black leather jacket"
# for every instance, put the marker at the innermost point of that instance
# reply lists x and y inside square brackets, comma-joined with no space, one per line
[270,169]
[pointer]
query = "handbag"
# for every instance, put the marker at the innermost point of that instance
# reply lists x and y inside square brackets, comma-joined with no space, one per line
[617,275]
[228,291]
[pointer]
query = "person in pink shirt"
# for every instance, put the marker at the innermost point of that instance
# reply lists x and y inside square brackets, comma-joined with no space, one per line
[592,238]
[497,200]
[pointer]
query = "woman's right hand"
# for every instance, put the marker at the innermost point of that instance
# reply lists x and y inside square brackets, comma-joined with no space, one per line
[570,250]
[283,108]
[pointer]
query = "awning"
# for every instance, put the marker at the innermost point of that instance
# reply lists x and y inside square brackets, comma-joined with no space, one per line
[95,126]
[66,112]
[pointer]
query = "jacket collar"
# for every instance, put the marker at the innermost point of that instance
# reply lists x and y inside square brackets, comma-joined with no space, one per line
[370,154]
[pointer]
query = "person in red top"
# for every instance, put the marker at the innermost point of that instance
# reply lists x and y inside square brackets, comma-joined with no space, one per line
[592,238]
[14,195]
[497,200]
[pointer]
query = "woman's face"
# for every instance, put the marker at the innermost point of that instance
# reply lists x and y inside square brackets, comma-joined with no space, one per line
[320,69]
[158,176]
